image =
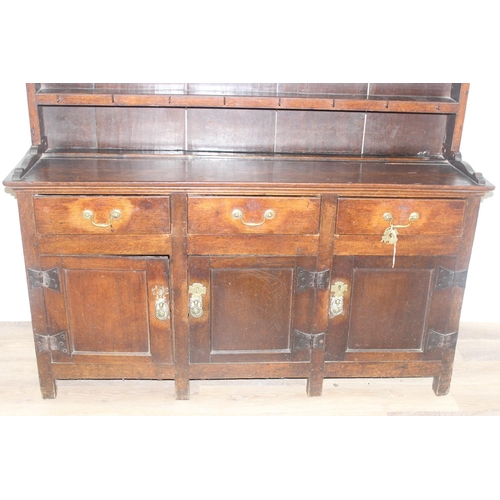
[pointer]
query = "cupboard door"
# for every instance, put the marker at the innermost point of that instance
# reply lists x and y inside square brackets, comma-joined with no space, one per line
[112,309]
[388,314]
[252,310]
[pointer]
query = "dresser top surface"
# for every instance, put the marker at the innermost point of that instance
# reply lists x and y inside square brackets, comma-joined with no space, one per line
[203,172]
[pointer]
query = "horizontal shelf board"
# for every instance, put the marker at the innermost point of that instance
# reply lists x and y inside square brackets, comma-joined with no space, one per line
[277,100]
[240,173]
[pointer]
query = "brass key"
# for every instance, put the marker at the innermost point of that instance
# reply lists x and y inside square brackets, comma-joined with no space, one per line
[390,235]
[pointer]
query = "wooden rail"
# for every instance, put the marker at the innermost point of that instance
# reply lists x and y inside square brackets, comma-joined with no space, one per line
[400,104]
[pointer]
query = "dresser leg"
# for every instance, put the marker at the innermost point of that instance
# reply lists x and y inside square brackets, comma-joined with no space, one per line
[48,386]
[315,380]
[181,389]
[441,384]
[48,389]
[315,386]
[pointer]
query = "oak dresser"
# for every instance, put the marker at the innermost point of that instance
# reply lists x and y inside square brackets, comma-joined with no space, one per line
[270,230]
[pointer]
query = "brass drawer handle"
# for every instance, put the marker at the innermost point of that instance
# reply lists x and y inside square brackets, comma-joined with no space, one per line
[114,214]
[161,302]
[390,235]
[414,216]
[196,301]
[238,215]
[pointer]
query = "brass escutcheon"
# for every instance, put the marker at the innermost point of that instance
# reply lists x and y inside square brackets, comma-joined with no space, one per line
[161,303]
[337,299]
[196,301]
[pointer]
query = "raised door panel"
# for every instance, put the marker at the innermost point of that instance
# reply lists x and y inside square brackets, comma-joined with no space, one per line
[388,309]
[252,310]
[112,309]
[388,313]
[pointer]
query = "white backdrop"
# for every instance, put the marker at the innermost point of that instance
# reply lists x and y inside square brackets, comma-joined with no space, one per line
[478,148]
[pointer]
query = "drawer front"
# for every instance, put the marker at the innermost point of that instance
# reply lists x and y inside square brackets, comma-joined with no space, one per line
[253,215]
[366,216]
[102,214]
[435,230]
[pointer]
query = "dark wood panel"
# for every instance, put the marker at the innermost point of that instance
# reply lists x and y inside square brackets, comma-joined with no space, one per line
[251,309]
[152,129]
[231,88]
[70,127]
[388,308]
[411,89]
[324,88]
[108,306]
[230,130]
[151,88]
[154,88]
[66,86]
[319,132]
[404,134]
[107,309]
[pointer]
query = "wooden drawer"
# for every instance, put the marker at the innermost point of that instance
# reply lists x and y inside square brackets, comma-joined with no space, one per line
[361,223]
[253,215]
[137,214]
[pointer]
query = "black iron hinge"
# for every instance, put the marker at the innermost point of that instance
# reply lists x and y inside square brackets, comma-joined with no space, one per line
[310,279]
[57,342]
[437,340]
[448,278]
[44,279]
[309,340]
